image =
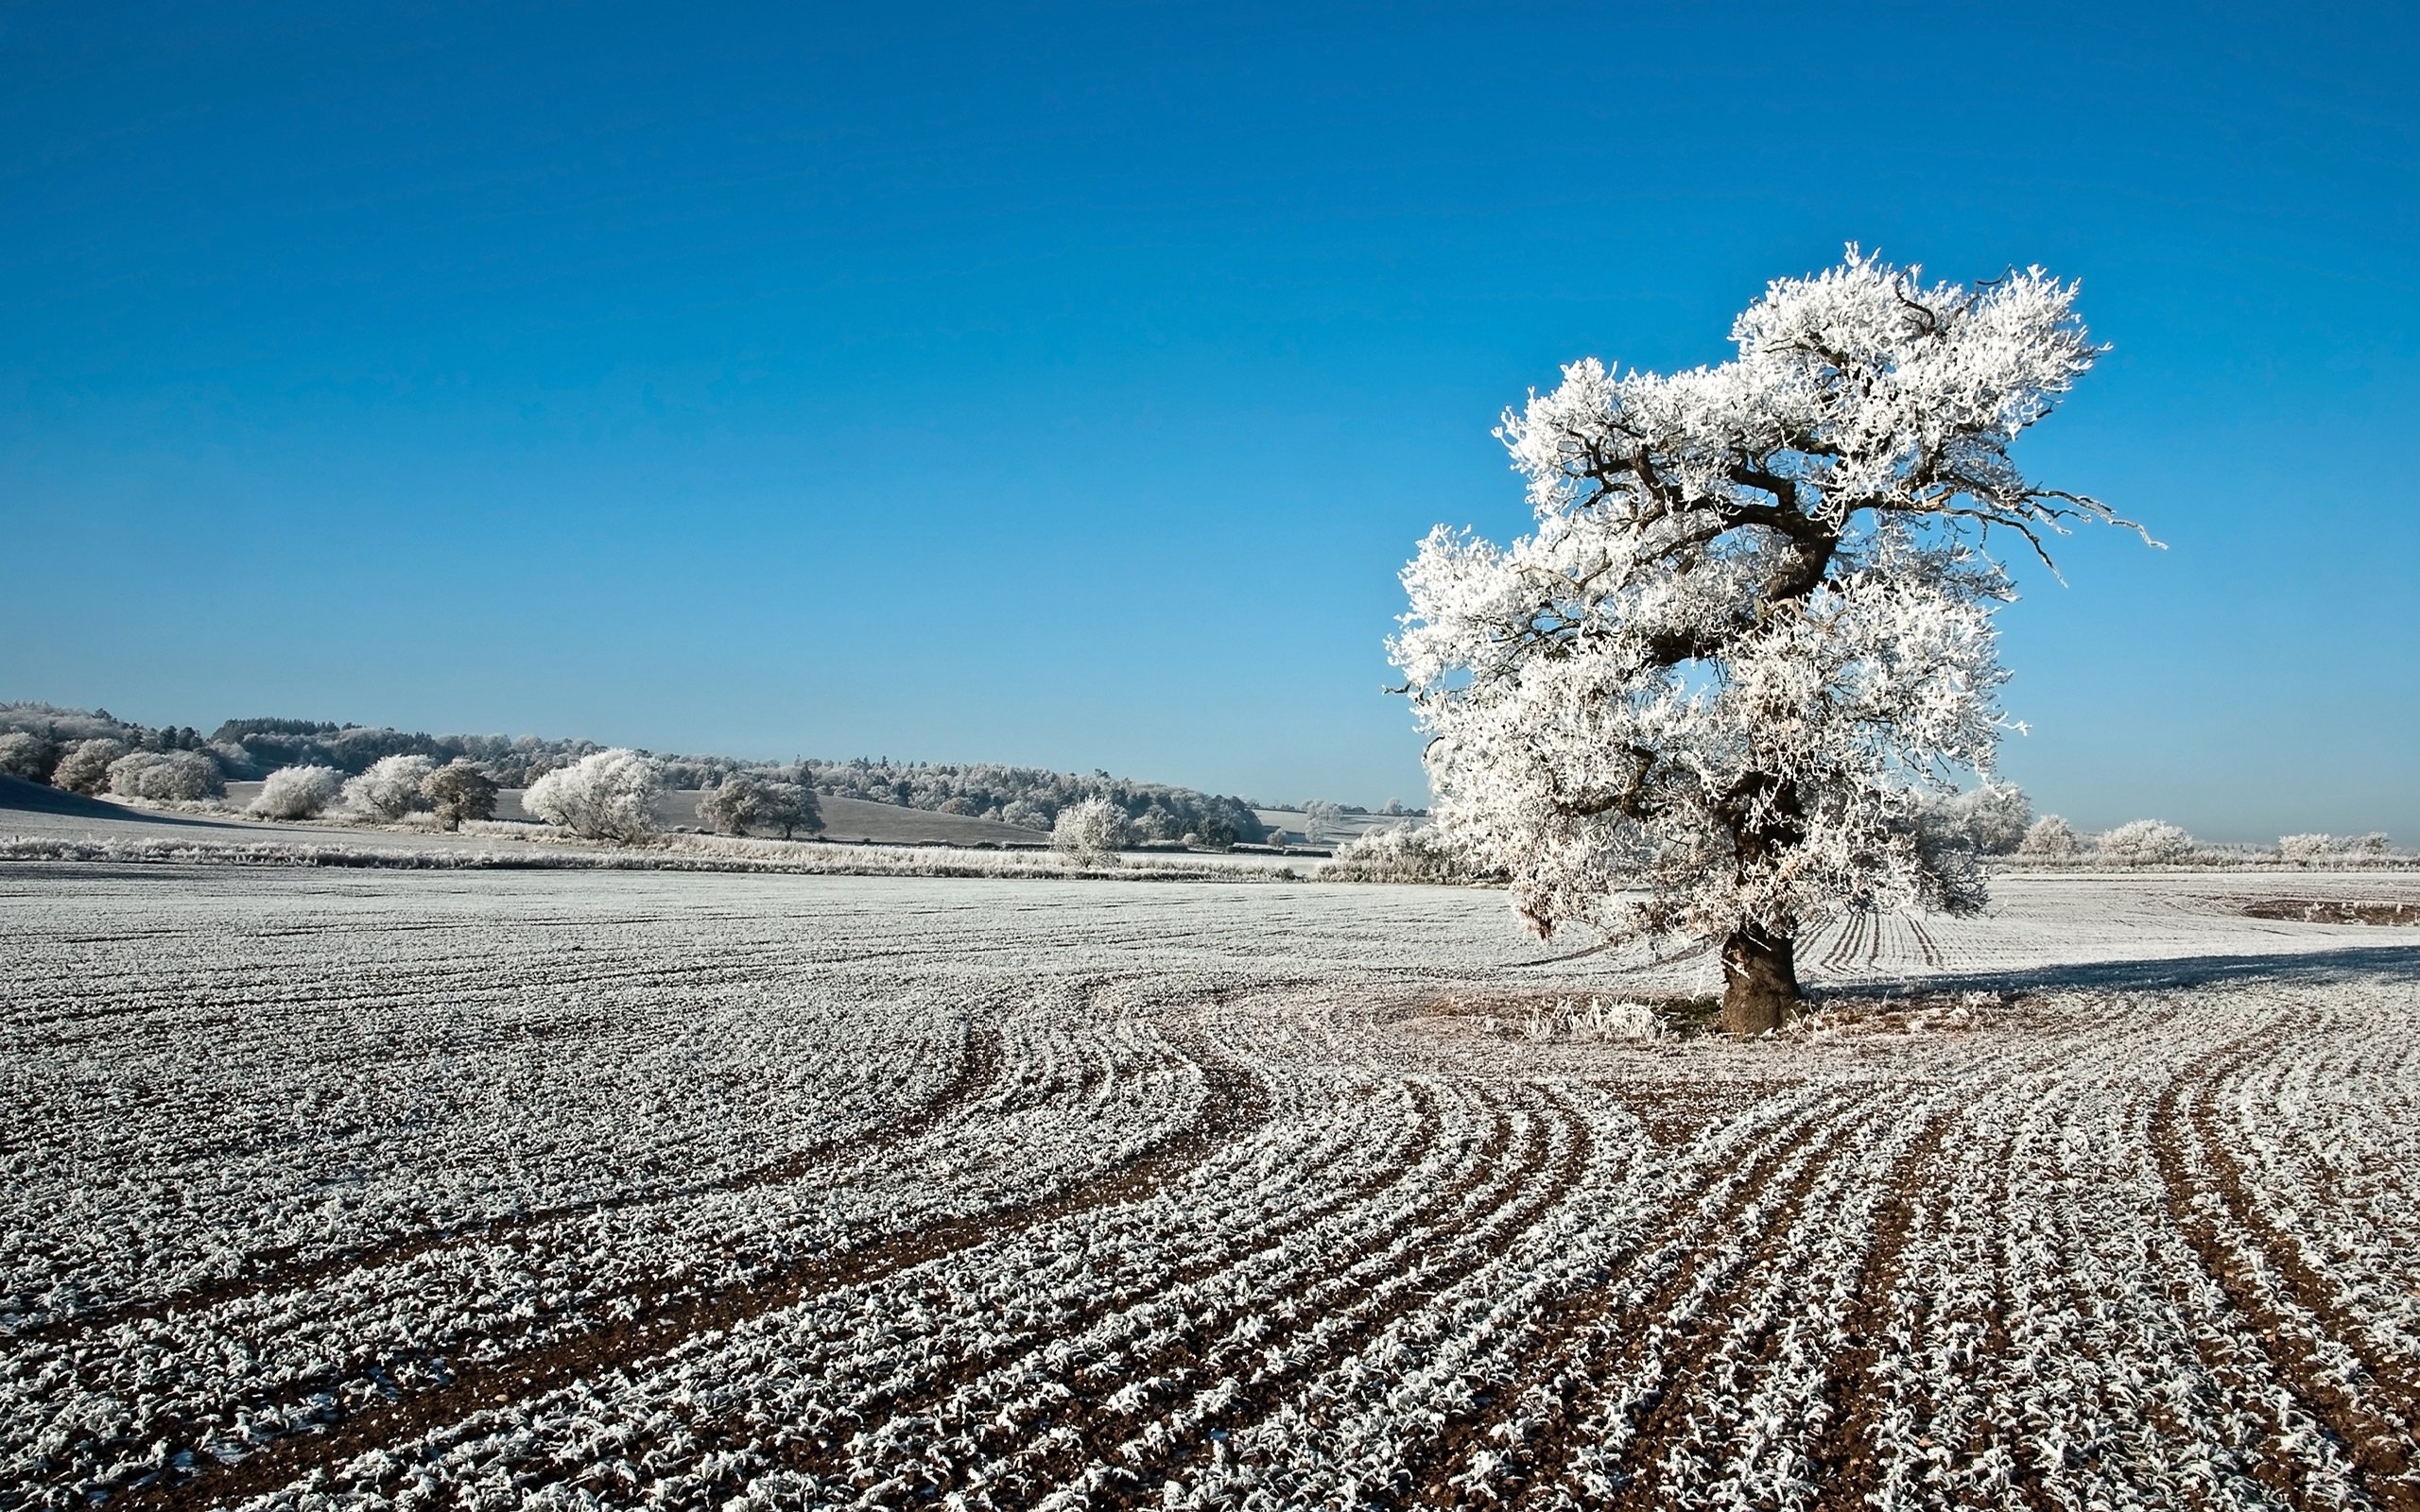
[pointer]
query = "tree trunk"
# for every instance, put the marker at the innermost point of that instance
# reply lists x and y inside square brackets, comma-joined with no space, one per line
[1760,980]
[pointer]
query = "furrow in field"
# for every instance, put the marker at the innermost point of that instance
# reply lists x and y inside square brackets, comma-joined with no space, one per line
[2365,1397]
[1234,1105]
[1673,1352]
[1222,1269]
[1717,1177]
[1124,1460]
[1843,1459]
[978,1065]
[2270,1345]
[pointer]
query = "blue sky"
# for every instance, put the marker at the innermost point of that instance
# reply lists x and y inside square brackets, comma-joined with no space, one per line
[1066,386]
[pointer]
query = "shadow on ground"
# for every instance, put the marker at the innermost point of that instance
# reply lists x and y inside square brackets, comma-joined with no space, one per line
[34,797]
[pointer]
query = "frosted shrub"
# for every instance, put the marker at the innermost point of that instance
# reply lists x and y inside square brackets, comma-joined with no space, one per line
[2050,836]
[389,789]
[85,768]
[1025,816]
[609,796]
[1991,821]
[1399,852]
[2146,843]
[27,756]
[297,792]
[2323,847]
[1091,831]
[460,791]
[168,777]
[748,800]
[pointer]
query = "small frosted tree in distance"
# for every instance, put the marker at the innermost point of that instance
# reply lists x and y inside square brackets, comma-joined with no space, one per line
[27,756]
[85,768]
[2051,836]
[297,792]
[389,789]
[2146,843]
[1319,820]
[608,796]
[459,791]
[748,800]
[1092,831]
[171,776]
[1754,624]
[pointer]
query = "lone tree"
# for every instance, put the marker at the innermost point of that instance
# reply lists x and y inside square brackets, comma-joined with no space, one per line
[460,791]
[748,799]
[1753,630]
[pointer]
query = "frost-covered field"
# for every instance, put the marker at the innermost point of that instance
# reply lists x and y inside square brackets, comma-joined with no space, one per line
[437,1189]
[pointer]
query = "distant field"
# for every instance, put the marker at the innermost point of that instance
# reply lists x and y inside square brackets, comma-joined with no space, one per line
[375,1189]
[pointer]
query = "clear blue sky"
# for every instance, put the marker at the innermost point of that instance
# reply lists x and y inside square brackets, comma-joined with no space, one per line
[1066,386]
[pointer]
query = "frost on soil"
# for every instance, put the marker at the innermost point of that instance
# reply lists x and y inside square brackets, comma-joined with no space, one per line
[450,1189]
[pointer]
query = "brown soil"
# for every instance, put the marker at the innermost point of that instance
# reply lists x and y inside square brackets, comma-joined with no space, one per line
[2333,911]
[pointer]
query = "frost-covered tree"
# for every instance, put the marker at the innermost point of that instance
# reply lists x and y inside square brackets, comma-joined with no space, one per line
[1319,820]
[1989,819]
[297,792]
[2321,847]
[608,796]
[1754,622]
[171,776]
[85,768]
[749,800]
[1091,831]
[1399,852]
[28,756]
[389,789]
[2145,843]
[2050,836]
[459,791]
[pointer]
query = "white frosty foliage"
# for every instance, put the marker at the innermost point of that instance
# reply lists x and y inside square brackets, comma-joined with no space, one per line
[26,756]
[1400,852]
[2319,846]
[1991,820]
[176,776]
[297,792]
[609,796]
[85,768]
[2051,836]
[1094,828]
[390,789]
[1751,629]
[2146,843]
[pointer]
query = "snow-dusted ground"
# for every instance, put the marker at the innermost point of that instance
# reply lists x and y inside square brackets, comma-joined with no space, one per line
[435,1189]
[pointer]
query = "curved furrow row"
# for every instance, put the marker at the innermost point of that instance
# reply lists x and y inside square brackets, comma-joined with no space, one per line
[1131,1321]
[878,1338]
[1245,1376]
[980,1065]
[2279,1347]
[2317,1152]
[1383,1414]
[1631,1402]
[644,1324]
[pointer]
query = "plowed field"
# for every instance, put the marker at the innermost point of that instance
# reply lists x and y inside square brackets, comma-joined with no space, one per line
[438,1190]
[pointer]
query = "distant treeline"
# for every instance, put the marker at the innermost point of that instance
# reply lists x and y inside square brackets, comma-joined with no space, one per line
[248,750]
